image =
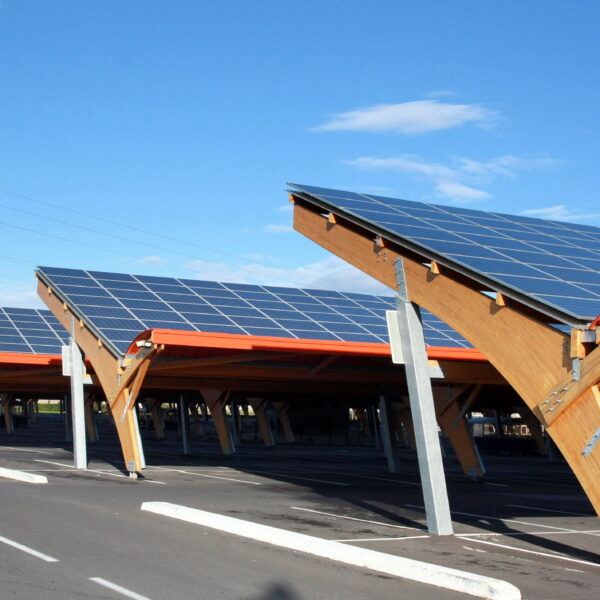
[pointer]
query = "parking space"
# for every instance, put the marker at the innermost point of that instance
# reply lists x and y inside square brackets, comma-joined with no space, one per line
[528,522]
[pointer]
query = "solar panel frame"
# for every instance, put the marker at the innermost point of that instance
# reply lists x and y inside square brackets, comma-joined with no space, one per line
[224,307]
[545,233]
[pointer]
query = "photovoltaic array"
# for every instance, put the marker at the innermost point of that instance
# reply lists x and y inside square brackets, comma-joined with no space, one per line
[31,331]
[119,307]
[554,263]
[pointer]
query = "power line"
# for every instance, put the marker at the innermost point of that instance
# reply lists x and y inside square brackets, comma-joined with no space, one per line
[131,227]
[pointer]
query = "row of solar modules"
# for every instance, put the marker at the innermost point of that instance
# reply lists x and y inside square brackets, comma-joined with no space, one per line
[27,330]
[555,262]
[119,306]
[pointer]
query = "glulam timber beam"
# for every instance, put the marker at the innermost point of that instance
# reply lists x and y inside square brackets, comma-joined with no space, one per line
[533,357]
[121,383]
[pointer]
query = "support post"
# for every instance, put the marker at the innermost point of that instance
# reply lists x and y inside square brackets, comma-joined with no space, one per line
[66,405]
[387,434]
[76,368]
[6,409]
[260,412]
[283,414]
[435,494]
[90,422]
[374,424]
[216,400]
[184,421]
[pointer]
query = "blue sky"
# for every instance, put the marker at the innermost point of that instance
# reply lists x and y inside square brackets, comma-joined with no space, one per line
[156,137]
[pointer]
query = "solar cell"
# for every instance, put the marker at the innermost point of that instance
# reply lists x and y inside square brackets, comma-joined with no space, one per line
[494,246]
[223,308]
[27,330]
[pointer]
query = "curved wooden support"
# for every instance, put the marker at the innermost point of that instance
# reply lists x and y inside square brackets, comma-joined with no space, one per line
[260,412]
[158,417]
[216,401]
[6,410]
[90,423]
[120,385]
[534,357]
[283,414]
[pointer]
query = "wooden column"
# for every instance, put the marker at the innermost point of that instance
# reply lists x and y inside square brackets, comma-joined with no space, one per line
[535,358]
[216,401]
[120,383]
[6,409]
[158,417]
[260,407]
[283,414]
[90,423]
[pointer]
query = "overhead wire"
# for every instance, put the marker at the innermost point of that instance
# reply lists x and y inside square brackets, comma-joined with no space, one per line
[132,228]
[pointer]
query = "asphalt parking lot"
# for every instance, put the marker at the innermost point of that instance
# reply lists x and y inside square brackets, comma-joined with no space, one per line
[528,522]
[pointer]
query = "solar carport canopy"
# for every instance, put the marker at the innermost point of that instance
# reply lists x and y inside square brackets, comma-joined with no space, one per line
[551,266]
[30,331]
[119,306]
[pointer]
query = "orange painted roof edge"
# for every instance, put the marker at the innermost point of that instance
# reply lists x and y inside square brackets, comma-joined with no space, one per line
[23,358]
[236,341]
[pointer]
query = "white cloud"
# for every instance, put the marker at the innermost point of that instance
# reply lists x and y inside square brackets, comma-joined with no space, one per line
[331,274]
[458,180]
[277,228]
[287,208]
[19,295]
[156,260]
[419,116]
[559,213]
[453,189]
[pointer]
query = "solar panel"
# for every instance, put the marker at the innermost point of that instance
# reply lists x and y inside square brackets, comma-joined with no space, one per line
[31,331]
[551,265]
[227,307]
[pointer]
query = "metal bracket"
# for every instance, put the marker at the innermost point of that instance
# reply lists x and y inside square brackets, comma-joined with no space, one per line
[576,369]
[592,443]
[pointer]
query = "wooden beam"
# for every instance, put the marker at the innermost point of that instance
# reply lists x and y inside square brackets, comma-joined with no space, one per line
[198,363]
[533,356]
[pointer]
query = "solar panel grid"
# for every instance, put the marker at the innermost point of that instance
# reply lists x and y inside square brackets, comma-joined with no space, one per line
[29,331]
[224,307]
[517,245]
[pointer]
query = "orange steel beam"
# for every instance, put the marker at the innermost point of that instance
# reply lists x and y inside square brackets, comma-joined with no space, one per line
[533,356]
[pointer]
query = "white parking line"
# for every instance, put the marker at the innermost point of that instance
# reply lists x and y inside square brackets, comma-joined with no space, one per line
[560,512]
[557,556]
[457,512]
[496,484]
[414,570]
[118,588]
[206,475]
[393,539]
[27,549]
[286,476]
[522,533]
[318,512]
[24,449]
[50,462]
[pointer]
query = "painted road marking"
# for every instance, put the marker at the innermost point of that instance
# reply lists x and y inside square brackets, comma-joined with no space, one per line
[118,588]
[206,475]
[457,512]
[24,450]
[27,549]
[286,476]
[22,476]
[318,512]
[560,512]
[50,462]
[414,570]
[386,539]
[557,556]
